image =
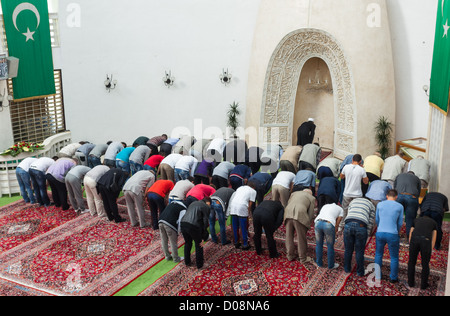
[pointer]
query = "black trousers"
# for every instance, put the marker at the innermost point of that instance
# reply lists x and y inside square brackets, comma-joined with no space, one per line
[261,190]
[199,179]
[286,165]
[110,202]
[303,165]
[437,217]
[193,234]
[259,223]
[59,192]
[219,182]
[422,245]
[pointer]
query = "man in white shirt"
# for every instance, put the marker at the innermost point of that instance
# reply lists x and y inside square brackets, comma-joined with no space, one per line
[93,197]
[110,155]
[185,167]
[180,190]
[240,208]
[24,180]
[37,174]
[353,174]
[215,149]
[326,225]
[167,167]
[393,166]
[134,190]
[69,150]
[422,169]
[282,187]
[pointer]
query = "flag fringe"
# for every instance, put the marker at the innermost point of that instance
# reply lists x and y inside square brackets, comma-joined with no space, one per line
[35,98]
[438,108]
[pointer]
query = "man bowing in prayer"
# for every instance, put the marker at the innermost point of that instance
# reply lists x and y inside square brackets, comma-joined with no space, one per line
[306,133]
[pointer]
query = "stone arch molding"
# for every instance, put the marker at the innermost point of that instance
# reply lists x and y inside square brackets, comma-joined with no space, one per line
[282,79]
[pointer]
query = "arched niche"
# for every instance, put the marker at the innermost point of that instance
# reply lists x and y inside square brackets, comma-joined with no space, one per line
[282,81]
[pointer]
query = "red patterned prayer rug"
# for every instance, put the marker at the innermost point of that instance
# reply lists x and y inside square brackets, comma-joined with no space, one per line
[11,207]
[233,272]
[439,258]
[438,271]
[13,289]
[86,256]
[364,286]
[228,271]
[21,222]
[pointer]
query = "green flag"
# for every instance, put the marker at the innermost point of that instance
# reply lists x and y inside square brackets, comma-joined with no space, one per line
[27,29]
[440,72]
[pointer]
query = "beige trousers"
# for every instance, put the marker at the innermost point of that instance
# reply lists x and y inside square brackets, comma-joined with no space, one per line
[168,235]
[167,172]
[135,207]
[293,226]
[94,199]
[280,193]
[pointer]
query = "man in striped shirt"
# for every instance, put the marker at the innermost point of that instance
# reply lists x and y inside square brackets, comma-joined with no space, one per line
[359,224]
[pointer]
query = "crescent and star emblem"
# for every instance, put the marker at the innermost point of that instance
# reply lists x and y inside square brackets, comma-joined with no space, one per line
[24,7]
[446,26]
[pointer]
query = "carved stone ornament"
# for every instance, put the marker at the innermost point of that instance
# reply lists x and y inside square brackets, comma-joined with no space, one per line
[282,81]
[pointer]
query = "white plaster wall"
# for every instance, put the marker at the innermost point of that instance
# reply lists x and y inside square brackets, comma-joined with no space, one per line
[367,50]
[413,24]
[137,41]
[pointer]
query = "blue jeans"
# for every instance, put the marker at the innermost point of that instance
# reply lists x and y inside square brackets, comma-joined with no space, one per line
[94,161]
[24,180]
[147,167]
[355,238]
[135,167]
[240,222]
[40,186]
[181,174]
[325,230]
[393,242]
[411,206]
[125,166]
[217,211]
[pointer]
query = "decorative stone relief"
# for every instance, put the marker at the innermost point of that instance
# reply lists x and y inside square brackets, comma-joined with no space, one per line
[282,80]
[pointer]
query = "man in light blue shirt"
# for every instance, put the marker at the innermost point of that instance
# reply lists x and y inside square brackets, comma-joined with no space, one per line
[378,190]
[305,179]
[389,219]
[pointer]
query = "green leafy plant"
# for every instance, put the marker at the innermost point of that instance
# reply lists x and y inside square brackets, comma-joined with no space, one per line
[383,135]
[21,147]
[233,120]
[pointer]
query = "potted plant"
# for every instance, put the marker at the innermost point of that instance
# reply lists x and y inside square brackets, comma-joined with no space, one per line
[383,135]
[233,120]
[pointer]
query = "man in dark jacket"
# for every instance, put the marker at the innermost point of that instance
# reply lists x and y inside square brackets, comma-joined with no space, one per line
[306,133]
[110,185]
[262,183]
[422,239]
[268,216]
[169,227]
[194,227]
[328,192]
